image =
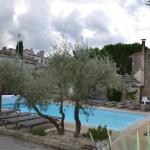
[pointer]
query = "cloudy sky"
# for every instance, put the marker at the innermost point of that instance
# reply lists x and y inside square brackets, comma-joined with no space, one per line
[100,22]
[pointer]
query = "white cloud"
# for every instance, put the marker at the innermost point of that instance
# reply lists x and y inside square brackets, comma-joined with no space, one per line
[87,33]
[102,22]
[61,8]
[20,8]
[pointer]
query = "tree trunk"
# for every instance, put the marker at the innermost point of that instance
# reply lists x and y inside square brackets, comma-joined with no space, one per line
[62,118]
[61,110]
[22,62]
[52,120]
[77,120]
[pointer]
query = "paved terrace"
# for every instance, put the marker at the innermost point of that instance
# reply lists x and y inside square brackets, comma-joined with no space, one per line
[130,136]
[11,143]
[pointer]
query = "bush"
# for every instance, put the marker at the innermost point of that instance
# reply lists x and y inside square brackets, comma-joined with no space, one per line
[38,131]
[99,133]
[113,94]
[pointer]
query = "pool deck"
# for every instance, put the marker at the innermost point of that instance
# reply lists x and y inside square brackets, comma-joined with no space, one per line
[11,143]
[130,136]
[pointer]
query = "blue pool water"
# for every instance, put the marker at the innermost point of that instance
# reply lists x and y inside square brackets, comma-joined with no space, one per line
[8,99]
[113,119]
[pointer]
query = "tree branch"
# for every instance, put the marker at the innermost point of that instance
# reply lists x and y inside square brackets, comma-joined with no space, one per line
[52,119]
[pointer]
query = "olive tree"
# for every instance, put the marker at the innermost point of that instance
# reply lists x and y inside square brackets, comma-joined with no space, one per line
[37,91]
[51,84]
[86,73]
[38,94]
[12,78]
[59,69]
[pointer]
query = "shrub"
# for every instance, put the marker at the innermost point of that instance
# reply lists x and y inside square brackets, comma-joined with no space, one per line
[113,94]
[38,131]
[131,95]
[98,134]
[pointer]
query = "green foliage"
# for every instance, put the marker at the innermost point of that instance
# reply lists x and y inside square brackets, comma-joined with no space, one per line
[113,94]
[13,77]
[39,131]
[99,133]
[59,70]
[85,73]
[90,71]
[119,53]
[38,92]
[131,95]
[94,52]
[133,144]
[19,48]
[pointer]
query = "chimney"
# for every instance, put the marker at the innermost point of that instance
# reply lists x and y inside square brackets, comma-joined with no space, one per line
[143,43]
[143,61]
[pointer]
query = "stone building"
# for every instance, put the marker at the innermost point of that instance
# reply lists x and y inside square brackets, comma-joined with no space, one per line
[141,70]
[30,59]
[29,54]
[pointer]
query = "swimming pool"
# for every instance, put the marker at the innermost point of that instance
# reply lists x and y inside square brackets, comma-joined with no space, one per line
[114,120]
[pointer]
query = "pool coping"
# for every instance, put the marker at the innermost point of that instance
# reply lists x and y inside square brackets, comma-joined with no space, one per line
[110,108]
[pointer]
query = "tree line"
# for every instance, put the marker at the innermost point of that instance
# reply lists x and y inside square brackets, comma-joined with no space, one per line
[120,53]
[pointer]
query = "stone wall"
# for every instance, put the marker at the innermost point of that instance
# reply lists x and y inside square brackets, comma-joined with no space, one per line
[99,93]
[146,88]
[136,62]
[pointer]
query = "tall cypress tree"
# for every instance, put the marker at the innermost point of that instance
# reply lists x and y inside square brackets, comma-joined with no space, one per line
[19,49]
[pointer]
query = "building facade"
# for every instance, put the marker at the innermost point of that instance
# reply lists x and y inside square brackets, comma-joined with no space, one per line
[141,69]
[30,58]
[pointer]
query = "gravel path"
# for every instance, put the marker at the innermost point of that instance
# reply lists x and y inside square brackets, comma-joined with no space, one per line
[10,143]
